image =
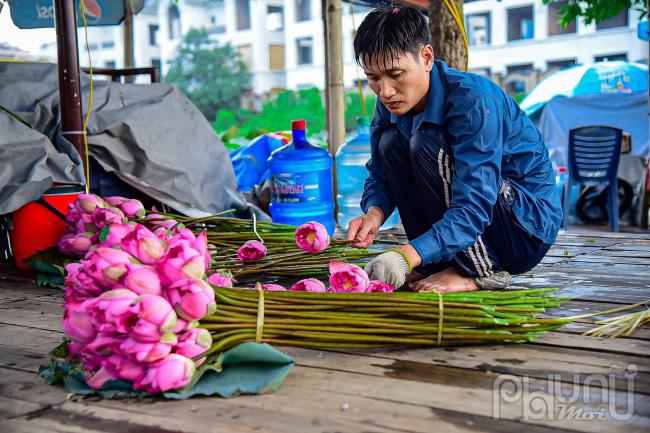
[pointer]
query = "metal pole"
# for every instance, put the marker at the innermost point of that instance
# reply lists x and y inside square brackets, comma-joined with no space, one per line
[128,38]
[335,90]
[69,83]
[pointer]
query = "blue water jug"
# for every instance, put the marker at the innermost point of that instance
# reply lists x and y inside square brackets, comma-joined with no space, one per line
[351,173]
[301,182]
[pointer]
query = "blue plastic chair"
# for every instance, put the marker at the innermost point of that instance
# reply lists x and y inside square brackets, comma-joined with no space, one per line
[594,154]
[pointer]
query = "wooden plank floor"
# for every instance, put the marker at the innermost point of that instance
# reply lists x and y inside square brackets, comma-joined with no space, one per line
[563,382]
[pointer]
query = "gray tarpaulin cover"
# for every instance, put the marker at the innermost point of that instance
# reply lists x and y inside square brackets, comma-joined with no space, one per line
[150,136]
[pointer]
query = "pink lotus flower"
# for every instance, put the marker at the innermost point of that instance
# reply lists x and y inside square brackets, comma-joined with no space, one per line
[308,285]
[272,287]
[79,286]
[380,286]
[107,215]
[123,368]
[251,250]
[117,232]
[89,202]
[112,306]
[115,201]
[172,372]
[149,352]
[198,243]
[78,324]
[217,279]
[184,325]
[180,262]
[150,317]
[192,298]
[194,342]
[345,277]
[107,265]
[97,380]
[143,245]
[75,244]
[84,223]
[312,237]
[142,280]
[162,221]
[132,208]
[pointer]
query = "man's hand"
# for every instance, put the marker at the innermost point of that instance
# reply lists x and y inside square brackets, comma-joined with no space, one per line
[363,229]
[391,266]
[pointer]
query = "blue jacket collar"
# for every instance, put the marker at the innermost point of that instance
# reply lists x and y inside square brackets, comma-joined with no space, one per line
[434,110]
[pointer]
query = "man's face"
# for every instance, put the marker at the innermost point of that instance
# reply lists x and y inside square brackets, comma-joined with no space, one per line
[402,83]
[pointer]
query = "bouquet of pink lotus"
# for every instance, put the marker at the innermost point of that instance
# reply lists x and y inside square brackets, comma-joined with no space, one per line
[141,308]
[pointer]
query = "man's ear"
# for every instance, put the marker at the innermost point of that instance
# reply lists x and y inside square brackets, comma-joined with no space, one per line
[426,57]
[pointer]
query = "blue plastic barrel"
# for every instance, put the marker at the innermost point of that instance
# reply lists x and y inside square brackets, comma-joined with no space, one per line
[351,173]
[301,182]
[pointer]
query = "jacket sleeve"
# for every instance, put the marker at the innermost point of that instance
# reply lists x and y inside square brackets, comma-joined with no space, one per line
[476,126]
[375,190]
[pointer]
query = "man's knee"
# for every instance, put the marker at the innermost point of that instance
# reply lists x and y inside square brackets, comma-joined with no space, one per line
[427,143]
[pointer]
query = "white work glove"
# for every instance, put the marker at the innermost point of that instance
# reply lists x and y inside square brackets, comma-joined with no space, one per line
[391,267]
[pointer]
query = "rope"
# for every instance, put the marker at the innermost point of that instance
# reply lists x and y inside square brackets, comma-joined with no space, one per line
[455,13]
[440,317]
[255,228]
[259,331]
[90,97]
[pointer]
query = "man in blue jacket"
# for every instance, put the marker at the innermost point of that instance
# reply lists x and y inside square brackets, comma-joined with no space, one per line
[465,167]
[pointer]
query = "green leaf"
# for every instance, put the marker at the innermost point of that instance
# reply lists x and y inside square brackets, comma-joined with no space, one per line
[103,235]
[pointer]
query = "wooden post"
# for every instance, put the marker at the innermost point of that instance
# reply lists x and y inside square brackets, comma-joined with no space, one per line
[128,38]
[69,79]
[446,37]
[335,91]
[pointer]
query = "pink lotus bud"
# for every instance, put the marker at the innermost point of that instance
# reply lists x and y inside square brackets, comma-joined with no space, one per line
[78,324]
[163,221]
[142,279]
[100,378]
[192,298]
[184,325]
[117,232]
[75,244]
[89,202]
[85,223]
[132,208]
[180,262]
[345,277]
[380,286]
[251,250]
[143,245]
[149,352]
[155,318]
[198,243]
[79,286]
[172,372]
[308,285]
[272,287]
[163,234]
[312,237]
[107,215]
[194,342]
[217,279]
[112,306]
[107,265]
[123,367]
[115,201]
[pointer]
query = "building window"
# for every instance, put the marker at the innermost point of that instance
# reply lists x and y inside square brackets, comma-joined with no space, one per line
[611,57]
[243,15]
[110,64]
[92,46]
[153,34]
[554,27]
[557,65]
[218,20]
[517,77]
[246,53]
[620,20]
[276,57]
[274,18]
[108,44]
[174,19]
[483,72]
[520,23]
[156,63]
[305,48]
[478,29]
[303,10]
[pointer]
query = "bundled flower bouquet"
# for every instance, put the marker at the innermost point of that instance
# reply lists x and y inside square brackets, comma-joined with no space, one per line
[151,303]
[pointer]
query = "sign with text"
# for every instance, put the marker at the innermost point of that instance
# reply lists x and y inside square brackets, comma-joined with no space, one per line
[38,14]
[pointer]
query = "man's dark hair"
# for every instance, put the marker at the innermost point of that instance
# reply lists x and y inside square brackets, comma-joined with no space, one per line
[390,31]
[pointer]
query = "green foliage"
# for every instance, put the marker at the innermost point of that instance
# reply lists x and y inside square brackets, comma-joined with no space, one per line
[240,125]
[212,76]
[518,97]
[596,10]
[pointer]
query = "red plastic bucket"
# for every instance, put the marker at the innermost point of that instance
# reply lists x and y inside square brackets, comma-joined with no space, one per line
[39,224]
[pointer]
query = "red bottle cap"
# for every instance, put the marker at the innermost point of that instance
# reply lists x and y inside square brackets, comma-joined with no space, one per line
[561,170]
[298,125]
